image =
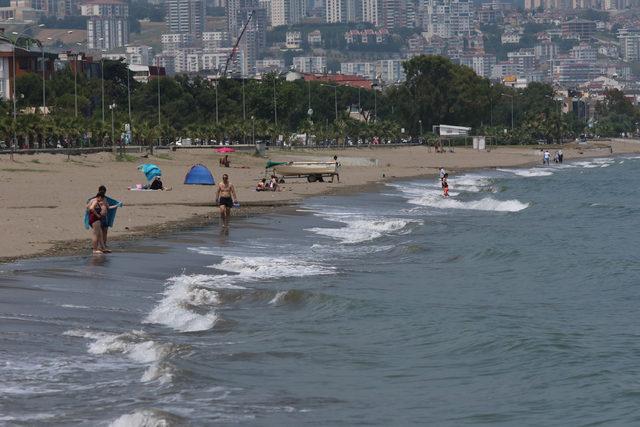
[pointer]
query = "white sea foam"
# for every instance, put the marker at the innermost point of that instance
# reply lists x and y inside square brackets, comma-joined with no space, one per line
[83,307]
[254,268]
[485,204]
[357,230]
[528,173]
[136,346]
[184,292]
[188,300]
[147,418]
[595,163]
[470,183]
[278,298]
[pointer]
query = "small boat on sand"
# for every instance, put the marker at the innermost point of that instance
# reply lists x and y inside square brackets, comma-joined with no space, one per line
[312,170]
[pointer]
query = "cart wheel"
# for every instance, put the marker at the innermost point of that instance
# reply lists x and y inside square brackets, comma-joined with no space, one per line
[312,178]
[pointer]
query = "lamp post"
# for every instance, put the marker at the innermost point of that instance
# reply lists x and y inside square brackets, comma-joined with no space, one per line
[18,36]
[217,118]
[253,130]
[375,105]
[335,98]
[102,78]
[129,93]
[420,139]
[75,81]
[158,78]
[112,107]
[244,114]
[559,122]
[275,102]
[512,98]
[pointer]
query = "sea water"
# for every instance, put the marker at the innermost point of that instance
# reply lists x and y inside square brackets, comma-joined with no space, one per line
[512,302]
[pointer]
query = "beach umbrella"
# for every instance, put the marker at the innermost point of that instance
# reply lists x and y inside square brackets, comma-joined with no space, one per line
[150,171]
[225,150]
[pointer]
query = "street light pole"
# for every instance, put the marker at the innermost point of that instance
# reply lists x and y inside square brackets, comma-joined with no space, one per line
[335,99]
[44,100]
[217,118]
[253,130]
[112,107]
[102,77]
[275,102]
[158,78]
[15,111]
[244,114]
[375,105]
[129,93]
[512,98]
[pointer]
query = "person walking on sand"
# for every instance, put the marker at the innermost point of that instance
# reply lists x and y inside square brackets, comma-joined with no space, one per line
[546,156]
[225,199]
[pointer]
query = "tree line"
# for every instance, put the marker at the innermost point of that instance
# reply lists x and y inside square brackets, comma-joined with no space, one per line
[435,92]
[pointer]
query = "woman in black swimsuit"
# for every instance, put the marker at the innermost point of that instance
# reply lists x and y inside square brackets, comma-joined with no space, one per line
[98,209]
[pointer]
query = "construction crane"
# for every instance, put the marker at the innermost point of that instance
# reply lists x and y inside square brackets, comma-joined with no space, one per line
[235,46]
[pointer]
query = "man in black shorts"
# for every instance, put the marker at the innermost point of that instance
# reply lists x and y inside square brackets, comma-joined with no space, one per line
[225,199]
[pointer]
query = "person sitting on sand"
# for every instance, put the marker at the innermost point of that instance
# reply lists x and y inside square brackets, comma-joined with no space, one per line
[273,184]
[262,185]
[224,161]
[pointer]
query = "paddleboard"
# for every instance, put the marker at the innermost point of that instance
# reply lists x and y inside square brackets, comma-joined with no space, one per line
[111,214]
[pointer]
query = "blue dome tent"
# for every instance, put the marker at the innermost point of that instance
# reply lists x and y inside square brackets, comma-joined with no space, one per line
[150,171]
[199,175]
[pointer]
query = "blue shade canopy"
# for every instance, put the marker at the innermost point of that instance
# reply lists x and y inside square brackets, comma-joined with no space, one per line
[199,175]
[150,171]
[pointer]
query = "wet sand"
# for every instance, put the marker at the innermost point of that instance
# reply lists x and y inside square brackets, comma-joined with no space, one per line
[42,196]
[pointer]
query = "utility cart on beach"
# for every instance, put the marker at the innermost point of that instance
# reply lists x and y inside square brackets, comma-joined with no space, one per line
[313,171]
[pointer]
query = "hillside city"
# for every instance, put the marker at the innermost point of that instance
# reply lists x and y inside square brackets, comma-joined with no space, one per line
[583,49]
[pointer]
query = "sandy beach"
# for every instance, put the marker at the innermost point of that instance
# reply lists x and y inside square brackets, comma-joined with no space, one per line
[42,196]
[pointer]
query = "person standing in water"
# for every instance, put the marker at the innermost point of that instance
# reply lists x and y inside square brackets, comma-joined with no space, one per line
[225,199]
[445,185]
[98,210]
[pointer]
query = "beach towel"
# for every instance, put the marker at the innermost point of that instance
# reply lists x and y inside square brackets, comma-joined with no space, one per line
[111,214]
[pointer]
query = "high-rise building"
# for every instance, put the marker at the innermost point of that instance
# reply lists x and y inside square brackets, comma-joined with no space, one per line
[108,25]
[344,10]
[629,45]
[447,18]
[186,17]
[287,12]
[371,12]
[335,11]
[310,64]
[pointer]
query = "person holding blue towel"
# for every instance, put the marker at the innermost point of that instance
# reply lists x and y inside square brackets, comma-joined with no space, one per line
[98,209]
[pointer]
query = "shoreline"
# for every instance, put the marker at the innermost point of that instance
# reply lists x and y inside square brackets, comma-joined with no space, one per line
[199,214]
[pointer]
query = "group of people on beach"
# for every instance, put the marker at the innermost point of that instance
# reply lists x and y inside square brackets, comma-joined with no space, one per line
[557,158]
[272,185]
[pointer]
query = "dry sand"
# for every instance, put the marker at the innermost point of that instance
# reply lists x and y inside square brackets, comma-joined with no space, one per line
[42,196]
